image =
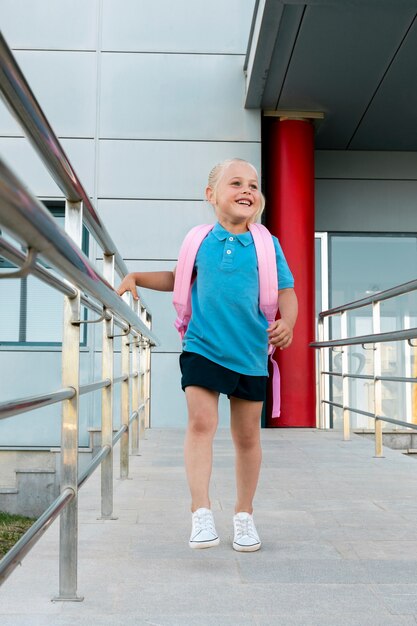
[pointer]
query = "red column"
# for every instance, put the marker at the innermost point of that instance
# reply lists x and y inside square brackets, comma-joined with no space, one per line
[290,216]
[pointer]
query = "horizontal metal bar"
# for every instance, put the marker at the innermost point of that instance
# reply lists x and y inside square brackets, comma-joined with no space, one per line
[367,413]
[382,418]
[348,408]
[397,379]
[396,335]
[399,290]
[23,405]
[18,258]
[340,406]
[119,433]
[32,224]
[15,555]
[120,379]
[26,109]
[361,376]
[134,374]
[104,451]
[394,379]
[134,416]
[94,386]
[398,422]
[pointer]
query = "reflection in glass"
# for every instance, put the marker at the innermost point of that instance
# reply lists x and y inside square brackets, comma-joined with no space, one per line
[360,266]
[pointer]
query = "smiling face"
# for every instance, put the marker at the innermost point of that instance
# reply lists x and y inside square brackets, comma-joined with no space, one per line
[236,197]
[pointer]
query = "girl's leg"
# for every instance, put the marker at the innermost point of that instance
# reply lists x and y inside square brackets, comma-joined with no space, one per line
[245,427]
[198,449]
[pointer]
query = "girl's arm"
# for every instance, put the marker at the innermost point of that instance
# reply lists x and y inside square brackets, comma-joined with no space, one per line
[281,331]
[160,281]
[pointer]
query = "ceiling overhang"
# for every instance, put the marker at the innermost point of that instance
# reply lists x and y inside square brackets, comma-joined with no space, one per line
[352,62]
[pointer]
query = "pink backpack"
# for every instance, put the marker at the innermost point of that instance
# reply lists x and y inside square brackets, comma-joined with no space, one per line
[268,286]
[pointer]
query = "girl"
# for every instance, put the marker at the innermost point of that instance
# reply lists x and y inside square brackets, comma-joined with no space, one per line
[225,347]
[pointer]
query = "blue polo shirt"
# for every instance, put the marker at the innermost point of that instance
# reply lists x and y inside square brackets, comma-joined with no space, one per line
[227,325]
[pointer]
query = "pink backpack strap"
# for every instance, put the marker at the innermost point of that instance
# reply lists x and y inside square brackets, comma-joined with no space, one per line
[268,274]
[184,273]
[268,297]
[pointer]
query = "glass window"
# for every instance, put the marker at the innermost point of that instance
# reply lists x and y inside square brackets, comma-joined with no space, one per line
[360,265]
[31,311]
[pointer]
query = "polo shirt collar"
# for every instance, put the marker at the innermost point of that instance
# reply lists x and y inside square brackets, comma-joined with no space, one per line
[221,234]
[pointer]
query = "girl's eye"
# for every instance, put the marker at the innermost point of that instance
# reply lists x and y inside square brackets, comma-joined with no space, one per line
[236,183]
[255,187]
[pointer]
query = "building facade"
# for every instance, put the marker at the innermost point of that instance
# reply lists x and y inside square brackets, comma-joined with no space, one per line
[147,97]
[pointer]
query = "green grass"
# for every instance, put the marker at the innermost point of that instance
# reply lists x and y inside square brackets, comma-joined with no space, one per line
[12,527]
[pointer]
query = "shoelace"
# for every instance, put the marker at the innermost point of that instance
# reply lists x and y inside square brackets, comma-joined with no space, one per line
[245,528]
[204,521]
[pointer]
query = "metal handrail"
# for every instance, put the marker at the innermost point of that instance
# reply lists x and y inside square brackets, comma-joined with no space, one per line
[392,379]
[30,222]
[26,109]
[376,338]
[30,403]
[399,290]
[104,451]
[18,258]
[15,555]
[94,386]
[395,335]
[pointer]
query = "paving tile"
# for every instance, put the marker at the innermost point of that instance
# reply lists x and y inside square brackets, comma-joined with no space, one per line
[337,619]
[303,571]
[337,528]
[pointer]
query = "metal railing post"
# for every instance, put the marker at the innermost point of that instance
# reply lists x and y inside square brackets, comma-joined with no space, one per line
[107,401]
[322,392]
[345,379]
[124,404]
[142,388]
[147,379]
[136,386]
[376,328]
[68,538]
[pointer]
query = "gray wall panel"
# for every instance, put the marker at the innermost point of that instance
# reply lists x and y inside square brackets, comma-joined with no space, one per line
[171,170]
[180,26]
[156,228]
[71,112]
[366,191]
[24,161]
[365,165]
[67,24]
[174,96]
[366,205]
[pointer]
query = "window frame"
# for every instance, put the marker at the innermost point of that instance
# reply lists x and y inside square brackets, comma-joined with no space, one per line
[57,209]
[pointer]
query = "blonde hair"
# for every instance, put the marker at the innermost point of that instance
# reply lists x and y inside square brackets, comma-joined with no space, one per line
[218,171]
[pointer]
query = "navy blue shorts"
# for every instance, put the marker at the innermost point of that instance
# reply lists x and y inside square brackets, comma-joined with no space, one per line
[201,372]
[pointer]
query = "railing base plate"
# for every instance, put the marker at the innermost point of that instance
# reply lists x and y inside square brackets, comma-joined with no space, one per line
[67,599]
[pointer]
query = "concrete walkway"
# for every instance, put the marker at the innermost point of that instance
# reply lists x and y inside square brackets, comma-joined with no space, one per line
[338,529]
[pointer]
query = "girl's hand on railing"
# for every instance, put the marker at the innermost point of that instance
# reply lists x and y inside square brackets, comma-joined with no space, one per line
[128,284]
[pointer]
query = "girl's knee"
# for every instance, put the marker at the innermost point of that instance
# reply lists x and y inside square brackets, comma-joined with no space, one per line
[247,439]
[199,423]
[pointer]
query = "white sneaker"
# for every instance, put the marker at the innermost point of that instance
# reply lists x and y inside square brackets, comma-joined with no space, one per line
[245,539]
[203,533]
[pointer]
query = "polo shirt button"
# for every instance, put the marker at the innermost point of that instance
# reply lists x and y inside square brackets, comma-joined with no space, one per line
[228,252]
[230,238]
